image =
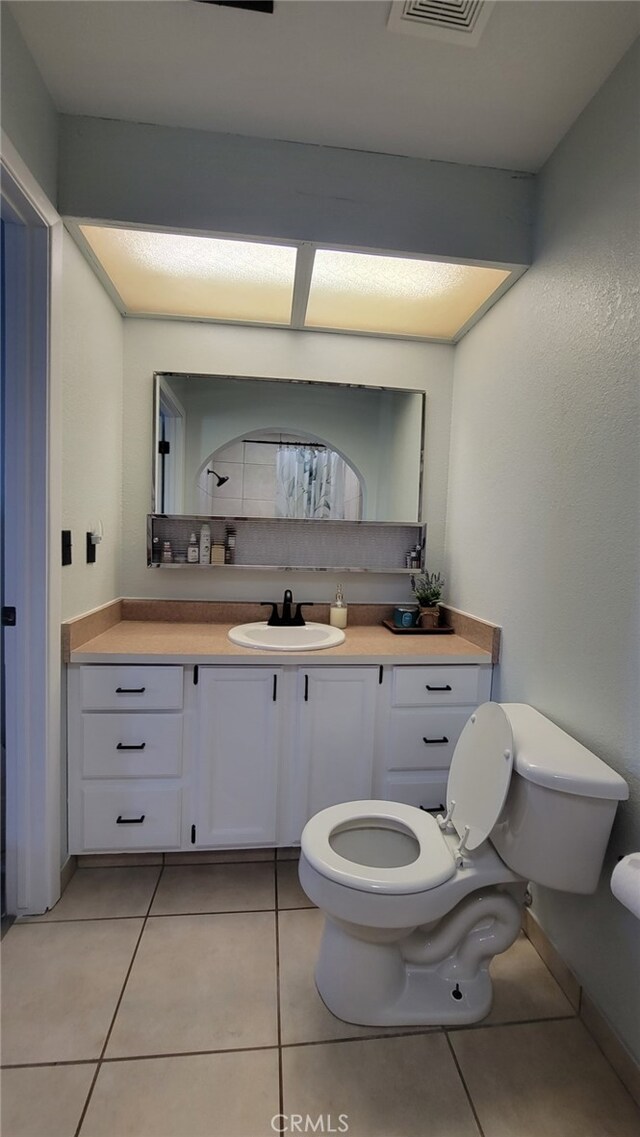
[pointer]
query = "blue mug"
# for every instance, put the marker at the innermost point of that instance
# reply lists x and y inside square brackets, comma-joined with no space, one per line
[405,617]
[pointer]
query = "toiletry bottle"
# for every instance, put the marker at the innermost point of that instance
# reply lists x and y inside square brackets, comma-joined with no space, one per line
[230,547]
[338,610]
[205,545]
[167,555]
[193,551]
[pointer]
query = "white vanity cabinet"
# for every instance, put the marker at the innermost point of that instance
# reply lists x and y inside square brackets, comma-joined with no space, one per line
[333,742]
[420,723]
[275,745]
[238,749]
[125,742]
[165,757]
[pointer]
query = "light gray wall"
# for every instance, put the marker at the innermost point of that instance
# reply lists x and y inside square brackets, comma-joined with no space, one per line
[92,336]
[179,345]
[29,116]
[544,504]
[193,179]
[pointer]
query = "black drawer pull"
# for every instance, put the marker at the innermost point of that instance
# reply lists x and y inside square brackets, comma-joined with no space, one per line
[130,820]
[445,688]
[435,741]
[130,690]
[121,746]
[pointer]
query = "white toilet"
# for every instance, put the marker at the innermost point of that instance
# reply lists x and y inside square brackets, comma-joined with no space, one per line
[416,907]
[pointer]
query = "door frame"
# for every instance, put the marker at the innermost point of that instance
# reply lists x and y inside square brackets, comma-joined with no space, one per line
[33,461]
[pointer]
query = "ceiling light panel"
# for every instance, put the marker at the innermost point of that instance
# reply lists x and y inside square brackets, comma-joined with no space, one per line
[199,277]
[359,292]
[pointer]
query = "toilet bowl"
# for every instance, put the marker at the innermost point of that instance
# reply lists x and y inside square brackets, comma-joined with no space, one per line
[416,906]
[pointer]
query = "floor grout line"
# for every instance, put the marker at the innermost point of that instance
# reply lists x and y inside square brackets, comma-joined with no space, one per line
[278,1004]
[464,1084]
[188,864]
[35,1065]
[185,1054]
[510,1022]
[417,1032]
[38,921]
[117,1008]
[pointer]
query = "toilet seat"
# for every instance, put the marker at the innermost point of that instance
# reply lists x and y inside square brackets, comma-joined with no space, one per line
[433,865]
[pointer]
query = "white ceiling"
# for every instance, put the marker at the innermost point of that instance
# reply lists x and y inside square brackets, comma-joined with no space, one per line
[329,72]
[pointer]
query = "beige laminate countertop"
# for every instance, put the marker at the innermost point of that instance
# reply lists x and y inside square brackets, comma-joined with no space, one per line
[147,641]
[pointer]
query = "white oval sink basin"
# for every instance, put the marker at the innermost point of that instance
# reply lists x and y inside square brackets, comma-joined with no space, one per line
[310,637]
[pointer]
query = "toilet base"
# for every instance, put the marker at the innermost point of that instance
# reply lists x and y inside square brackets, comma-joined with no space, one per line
[436,976]
[427,1000]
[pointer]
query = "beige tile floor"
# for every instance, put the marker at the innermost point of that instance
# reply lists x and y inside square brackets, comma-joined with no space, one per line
[177,1000]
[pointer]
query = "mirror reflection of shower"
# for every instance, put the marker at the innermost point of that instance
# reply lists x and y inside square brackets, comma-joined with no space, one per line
[276,474]
[220,478]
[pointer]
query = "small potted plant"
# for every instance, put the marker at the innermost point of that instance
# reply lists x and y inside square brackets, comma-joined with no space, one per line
[427,589]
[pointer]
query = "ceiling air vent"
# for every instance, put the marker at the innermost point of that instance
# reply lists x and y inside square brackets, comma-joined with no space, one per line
[454,21]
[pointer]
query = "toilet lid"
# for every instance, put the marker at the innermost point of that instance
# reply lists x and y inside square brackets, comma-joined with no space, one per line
[480,773]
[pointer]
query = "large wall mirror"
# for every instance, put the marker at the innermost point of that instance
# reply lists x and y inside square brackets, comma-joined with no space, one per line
[247,447]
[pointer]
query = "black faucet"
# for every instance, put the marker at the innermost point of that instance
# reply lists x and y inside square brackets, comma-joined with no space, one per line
[287,619]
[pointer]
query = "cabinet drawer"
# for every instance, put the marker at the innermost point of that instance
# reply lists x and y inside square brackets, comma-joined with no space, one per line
[114,688]
[159,808]
[428,790]
[132,746]
[424,739]
[430,686]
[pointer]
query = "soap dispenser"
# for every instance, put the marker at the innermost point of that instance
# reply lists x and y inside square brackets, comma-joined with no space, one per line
[338,610]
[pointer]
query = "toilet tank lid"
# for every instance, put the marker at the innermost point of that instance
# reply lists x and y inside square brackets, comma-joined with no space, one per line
[548,756]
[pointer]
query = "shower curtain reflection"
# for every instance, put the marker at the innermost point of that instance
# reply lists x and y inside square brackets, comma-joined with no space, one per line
[315,482]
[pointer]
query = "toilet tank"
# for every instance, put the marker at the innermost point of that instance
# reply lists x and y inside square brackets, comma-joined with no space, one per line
[562,799]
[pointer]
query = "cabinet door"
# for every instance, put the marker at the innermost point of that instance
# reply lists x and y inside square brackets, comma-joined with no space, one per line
[238,752]
[335,737]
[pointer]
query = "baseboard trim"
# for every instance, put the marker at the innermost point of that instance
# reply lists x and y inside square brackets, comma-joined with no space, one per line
[67,871]
[613,1049]
[565,978]
[600,1030]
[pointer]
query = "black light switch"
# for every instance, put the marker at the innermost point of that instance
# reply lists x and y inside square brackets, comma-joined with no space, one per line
[66,546]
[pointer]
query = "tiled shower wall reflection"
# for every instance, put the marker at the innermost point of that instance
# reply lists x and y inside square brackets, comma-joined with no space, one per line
[250,467]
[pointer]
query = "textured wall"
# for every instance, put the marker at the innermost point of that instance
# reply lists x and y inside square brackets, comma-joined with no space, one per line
[28,114]
[543,512]
[91,433]
[173,345]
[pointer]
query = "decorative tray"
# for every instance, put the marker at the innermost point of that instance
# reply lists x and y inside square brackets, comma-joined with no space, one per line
[443,630]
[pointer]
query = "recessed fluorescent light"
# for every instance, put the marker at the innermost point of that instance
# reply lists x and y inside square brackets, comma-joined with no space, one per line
[174,274]
[362,292]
